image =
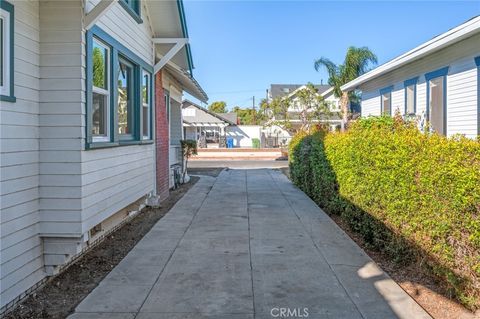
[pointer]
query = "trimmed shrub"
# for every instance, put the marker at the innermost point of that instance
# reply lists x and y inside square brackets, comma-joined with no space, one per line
[255,143]
[414,196]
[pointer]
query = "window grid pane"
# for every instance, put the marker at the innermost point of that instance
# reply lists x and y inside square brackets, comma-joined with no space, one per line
[386,103]
[436,105]
[125,111]
[410,99]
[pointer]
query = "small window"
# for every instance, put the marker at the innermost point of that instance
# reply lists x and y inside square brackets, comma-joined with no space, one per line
[100,92]
[134,5]
[146,102]
[125,110]
[6,50]
[167,105]
[410,99]
[437,104]
[387,103]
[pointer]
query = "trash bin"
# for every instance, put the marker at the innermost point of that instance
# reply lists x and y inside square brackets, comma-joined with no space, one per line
[229,142]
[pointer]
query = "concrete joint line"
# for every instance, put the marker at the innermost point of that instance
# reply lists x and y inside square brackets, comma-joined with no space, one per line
[176,246]
[314,244]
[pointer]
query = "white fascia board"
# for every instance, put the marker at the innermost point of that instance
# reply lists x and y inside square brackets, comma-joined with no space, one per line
[457,34]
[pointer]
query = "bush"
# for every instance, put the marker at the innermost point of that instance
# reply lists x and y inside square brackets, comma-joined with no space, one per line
[414,196]
[255,143]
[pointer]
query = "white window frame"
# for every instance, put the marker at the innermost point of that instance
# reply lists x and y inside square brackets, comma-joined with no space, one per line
[388,96]
[5,85]
[147,105]
[104,138]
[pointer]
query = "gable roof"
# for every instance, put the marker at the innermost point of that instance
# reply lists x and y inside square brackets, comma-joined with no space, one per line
[281,90]
[205,116]
[461,32]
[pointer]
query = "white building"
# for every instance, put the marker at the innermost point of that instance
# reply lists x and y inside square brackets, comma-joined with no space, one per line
[86,91]
[438,82]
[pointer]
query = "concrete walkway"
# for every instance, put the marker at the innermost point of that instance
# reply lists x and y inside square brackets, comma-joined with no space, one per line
[247,244]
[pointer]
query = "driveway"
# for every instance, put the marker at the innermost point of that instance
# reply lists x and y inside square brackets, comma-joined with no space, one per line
[247,244]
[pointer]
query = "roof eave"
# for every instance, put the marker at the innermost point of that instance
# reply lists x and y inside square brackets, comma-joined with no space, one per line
[448,38]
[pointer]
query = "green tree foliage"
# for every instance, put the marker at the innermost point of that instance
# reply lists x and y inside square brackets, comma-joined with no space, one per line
[218,107]
[357,62]
[249,116]
[414,196]
[98,68]
[308,107]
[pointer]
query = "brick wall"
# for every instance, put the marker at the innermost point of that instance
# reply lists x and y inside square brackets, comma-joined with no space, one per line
[161,135]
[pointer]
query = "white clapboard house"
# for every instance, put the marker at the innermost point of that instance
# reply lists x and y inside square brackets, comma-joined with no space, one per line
[87,90]
[436,83]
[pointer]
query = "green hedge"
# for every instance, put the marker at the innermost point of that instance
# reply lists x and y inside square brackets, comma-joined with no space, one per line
[414,196]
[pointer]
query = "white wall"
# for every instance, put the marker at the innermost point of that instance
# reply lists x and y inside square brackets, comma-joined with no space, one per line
[52,190]
[21,264]
[462,91]
[243,134]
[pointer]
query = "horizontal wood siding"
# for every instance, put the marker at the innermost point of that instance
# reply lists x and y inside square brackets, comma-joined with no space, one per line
[462,89]
[62,116]
[21,251]
[119,24]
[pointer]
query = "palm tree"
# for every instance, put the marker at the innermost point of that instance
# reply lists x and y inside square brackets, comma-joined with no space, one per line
[357,62]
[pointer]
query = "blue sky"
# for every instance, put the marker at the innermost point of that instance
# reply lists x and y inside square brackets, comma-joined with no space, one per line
[241,47]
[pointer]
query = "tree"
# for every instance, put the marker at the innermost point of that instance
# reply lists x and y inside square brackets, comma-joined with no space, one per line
[249,116]
[311,106]
[307,105]
[357,62]
[189,148]
[218,107]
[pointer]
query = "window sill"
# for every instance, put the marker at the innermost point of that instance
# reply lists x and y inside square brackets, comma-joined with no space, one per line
[8,98]
[100,145]
[130,11]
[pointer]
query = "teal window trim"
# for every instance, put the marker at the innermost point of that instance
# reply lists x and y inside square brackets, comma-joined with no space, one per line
[11,94]
[150,105]
[406,84]
[133,8]
[443,72]
[117,50]
[477,62]
[386,90]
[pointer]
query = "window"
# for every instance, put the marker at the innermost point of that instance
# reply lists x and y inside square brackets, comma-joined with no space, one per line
[437,104]
[146,97]
[386,100]
[125,110]
[436,100]
[410,96]
[133,8]
[119,93]
[134,5]
[100,92]
[6,51]
[477,62]
[167,104]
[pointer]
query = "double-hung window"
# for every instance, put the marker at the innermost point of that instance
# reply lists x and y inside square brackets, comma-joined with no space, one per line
[386,100]
[410,96]
[146,110]
[125,99]
[100,92]
[437,100]
[119,93]
[6,51]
